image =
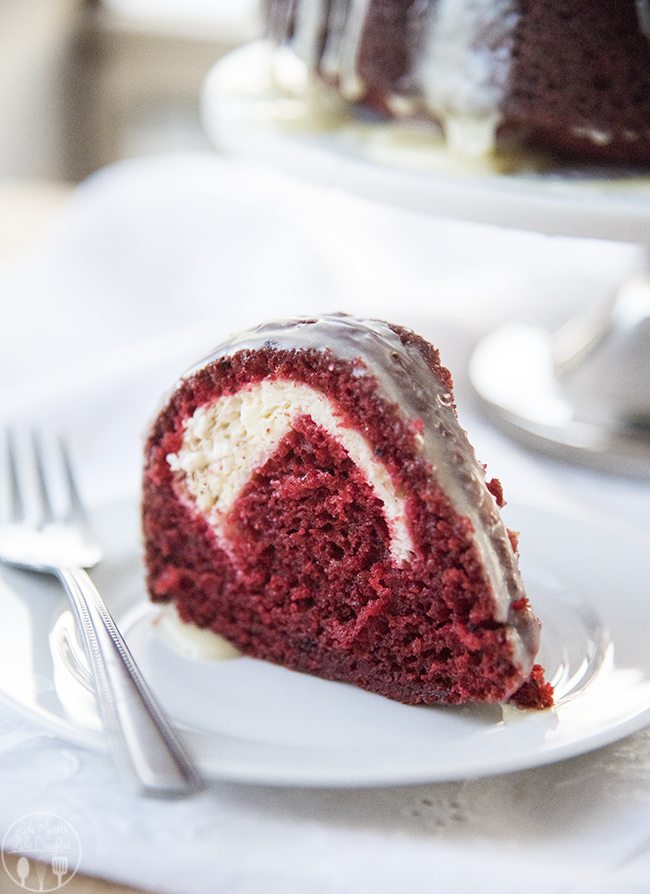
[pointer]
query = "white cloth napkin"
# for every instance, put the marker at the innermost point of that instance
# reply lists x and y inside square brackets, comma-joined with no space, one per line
[152,263]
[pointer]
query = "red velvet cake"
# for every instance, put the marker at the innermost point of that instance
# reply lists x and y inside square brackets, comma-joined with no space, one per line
[569,76]
[310,496]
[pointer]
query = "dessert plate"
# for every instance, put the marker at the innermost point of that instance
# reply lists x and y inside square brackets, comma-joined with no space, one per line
[249,721]
[313,135]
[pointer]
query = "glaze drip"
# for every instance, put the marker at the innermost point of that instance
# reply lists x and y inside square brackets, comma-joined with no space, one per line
[310,22]
[643,12]
[340,56]
[464,70]
[458,74]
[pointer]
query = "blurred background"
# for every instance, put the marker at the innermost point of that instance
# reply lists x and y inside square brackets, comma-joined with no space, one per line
[87,82]
[130,245]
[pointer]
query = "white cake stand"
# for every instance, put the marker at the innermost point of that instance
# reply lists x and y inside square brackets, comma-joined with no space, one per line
[582,394]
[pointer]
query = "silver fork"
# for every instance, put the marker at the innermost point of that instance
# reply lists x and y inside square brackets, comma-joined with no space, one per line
[39,536]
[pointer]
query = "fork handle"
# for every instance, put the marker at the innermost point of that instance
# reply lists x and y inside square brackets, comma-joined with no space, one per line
[140,736]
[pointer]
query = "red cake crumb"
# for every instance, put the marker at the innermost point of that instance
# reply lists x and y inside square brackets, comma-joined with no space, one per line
[309,581]
[535,692]
[494,486]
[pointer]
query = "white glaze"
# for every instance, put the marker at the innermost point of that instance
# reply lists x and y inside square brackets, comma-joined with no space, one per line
[336,23]
[643,12]
[463,80]
[459,75]
[346,26]
[350,83]
[281,16]
[595,135]
[310,21]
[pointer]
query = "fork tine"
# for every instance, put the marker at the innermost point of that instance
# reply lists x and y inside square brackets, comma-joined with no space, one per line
[16,499]
[42,487]
[75,510]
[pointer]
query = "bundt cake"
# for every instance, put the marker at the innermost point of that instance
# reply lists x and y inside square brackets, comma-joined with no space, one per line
[568,76]
[310,496]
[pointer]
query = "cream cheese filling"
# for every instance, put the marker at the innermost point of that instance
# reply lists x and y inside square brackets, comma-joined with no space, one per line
[227,440]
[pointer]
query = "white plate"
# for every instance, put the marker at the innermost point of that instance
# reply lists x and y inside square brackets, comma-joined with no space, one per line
[244,112]
[250,721]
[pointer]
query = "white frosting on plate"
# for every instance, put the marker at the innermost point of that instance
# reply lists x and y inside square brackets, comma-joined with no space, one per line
[199,644]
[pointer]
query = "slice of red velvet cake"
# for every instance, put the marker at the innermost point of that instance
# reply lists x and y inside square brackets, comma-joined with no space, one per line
[310,496]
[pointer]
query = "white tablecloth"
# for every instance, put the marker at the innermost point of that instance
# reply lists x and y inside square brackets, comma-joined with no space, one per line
[152,263]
